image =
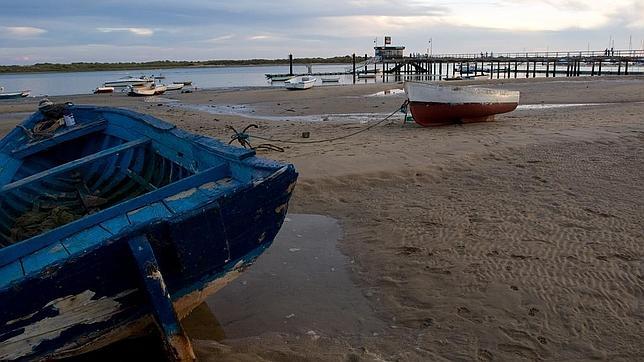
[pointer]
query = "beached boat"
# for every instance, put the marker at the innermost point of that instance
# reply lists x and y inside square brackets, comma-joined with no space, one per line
[13,95]
[129,81]
[121,223]
[173,87]
[301,82]
[104,90]
[145,91]
[432,104]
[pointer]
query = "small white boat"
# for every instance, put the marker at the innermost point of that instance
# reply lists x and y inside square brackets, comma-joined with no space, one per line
[12,95]
[173,87]
[129,81]
[104,90]
[330,79]
[301,82]
[279,78]
[146,90]
[185,82]
[432,104]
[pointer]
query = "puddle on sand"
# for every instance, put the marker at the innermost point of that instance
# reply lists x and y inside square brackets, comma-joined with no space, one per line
[247,112]
[387,92]
[550,106]
[301,285]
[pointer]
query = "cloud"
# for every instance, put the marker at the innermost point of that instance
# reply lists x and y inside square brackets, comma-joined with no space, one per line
[23,31]
[135,31]
[221,38]
[259,37]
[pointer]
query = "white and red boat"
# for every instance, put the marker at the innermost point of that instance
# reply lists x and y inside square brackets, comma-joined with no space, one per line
[433,105]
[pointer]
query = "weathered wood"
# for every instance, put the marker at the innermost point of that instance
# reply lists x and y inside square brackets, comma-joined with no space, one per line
[175,340]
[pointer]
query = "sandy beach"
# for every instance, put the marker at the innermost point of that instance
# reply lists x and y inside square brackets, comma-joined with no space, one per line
[519,239]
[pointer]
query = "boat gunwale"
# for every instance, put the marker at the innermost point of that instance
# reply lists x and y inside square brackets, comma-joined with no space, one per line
[126,232]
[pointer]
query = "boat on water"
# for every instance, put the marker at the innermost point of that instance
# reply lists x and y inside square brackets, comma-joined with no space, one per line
[99,90]
[366,75]
[185,82]
[121,223]
[301,82]
[129,81]
[432,104]
[13,95]
[279,77]
[330,79]
[145,91]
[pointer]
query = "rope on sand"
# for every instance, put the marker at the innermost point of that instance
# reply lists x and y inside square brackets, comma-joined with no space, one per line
[243,137]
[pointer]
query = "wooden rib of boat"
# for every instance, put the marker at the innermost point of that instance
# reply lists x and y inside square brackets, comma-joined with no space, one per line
[123,222]
[432,104]
[104,90]
[301,82]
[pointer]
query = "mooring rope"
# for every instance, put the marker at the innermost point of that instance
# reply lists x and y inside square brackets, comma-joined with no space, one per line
[243,137]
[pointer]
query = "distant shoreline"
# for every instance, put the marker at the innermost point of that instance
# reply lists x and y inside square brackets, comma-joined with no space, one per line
[97,67]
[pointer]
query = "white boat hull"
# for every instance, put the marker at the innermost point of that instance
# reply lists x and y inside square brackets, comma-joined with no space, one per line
[303,82]
[432,104]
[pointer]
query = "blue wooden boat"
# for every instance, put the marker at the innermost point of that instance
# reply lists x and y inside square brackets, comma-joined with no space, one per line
[121,223]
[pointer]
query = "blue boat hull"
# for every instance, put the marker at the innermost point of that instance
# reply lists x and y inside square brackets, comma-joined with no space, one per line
[81,286]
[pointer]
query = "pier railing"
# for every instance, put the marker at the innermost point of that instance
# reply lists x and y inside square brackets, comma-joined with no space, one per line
[555,54]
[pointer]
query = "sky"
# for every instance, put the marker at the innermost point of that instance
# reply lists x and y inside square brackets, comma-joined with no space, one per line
[64,31]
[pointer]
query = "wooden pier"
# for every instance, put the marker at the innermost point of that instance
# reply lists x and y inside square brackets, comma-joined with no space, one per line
[515,65]
[498,65]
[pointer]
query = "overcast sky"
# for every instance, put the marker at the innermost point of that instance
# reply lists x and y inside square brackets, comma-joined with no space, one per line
[65,31]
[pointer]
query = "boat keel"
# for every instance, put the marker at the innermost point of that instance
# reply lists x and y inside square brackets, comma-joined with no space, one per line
[175,341]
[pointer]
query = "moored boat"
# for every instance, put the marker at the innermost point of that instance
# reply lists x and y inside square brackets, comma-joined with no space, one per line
[103,90]
[330,79]
[129,81]
[145,91]
[432,104]
[185,82]
[120,223]
[13,95]
[173,87]
[301,82]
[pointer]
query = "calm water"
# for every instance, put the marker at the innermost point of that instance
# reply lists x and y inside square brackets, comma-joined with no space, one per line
[220,77]
[85,82]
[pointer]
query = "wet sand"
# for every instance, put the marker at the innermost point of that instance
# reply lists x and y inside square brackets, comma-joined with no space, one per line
[518,239]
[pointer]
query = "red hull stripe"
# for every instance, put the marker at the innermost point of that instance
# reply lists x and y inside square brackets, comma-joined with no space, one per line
[431,114]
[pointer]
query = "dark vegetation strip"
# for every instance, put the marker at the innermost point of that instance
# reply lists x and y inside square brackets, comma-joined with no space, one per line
[161,64]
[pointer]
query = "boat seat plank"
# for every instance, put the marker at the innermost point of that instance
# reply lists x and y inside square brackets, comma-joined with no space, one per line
[60,137]
[156,210]
[74,164]
[186,200]
[116,224]
[85,239]
[10,272]
[44,257]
